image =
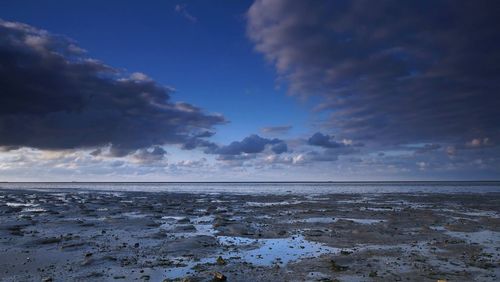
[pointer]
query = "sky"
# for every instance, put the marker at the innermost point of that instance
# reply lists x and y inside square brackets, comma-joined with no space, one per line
[249,90]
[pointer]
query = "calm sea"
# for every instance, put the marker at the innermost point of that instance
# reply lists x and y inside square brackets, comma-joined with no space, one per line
[270,187]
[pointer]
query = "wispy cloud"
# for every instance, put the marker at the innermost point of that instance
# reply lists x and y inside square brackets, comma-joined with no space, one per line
[276,130]
[182,10]
[426,72]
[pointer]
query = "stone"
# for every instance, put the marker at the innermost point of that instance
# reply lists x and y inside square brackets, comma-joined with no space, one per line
[221,261]
[219,277]
[338,268]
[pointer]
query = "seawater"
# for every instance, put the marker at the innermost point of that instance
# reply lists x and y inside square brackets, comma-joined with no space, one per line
[306,188]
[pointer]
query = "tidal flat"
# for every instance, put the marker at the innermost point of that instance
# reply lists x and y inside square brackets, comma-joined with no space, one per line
[78,235]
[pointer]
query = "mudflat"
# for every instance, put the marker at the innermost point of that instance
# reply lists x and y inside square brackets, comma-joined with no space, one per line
[163,236]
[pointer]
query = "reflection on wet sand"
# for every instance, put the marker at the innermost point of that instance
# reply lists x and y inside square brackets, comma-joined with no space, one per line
[62,235]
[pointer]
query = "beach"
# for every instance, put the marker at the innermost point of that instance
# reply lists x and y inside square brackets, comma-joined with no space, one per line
[80,235]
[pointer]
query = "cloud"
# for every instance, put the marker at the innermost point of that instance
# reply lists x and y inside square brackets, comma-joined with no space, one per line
[191,163]
[327,150]
[279,148]
[451,150]
[390,72]
[329,155]
[154,155]
[252,144]
[276,130]
[479,143]
[53,97]
[255,151]
[236,160]
[427,148]
[182,9]
[309,157]
[325,141]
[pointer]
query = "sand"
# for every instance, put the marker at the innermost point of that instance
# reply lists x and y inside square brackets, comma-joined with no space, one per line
[138,236]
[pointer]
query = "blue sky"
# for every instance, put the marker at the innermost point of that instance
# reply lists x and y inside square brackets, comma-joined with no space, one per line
[272,90]
[210,62]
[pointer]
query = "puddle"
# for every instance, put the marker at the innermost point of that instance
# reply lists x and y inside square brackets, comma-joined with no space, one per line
[15,205]
[34,210]
[259,252]
[482,214]
[381,209]
[134,214]
[172,218]
[270,204]
[357,201]
[477,213]
[265,252]
[489,240]
[335,219]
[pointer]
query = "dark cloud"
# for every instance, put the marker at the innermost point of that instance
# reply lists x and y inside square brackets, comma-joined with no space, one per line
[252,144]
[279,148]
[153,155]
[332,149]
[53,97]
[193,143]
[283,129]
[325,141]
[389,71]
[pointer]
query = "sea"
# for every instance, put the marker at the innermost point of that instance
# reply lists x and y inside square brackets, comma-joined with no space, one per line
[279,188]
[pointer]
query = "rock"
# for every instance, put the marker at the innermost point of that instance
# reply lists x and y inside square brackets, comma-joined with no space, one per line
[72,245]
[14,229]
[240,229]
[152,223]
[338,268]
[183,220]
[49,240]
[221,261]
[163,262]
[220,221]
[219,277]
[184,228]
[87,261]
[314,233]
[159,235]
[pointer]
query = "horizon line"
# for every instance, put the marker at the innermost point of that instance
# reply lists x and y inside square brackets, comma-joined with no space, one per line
[222,182]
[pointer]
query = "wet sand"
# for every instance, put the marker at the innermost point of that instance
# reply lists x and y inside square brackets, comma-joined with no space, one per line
[139,236]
